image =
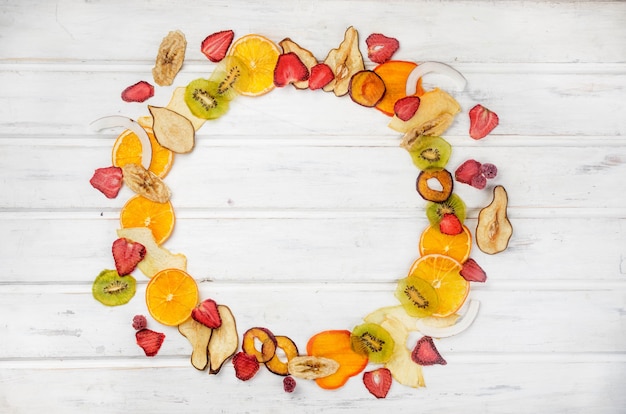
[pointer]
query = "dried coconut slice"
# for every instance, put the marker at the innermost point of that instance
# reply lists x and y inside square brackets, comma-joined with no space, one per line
[434,67]
[145,183]
[118,121]
[157,258]
[172,130]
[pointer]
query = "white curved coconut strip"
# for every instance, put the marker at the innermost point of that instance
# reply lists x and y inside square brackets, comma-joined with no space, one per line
[435,67]
[457,328]
[115,121]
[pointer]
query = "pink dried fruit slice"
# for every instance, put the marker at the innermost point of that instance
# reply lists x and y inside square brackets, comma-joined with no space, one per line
[207,314]
[127,255]
[108,181]
[289,69]
[479,181]
[378,382]
[381,48]
[482,121]
[406,107]
[425,352]
[150,341]
[139,92]
[320,76]
[466,171]
[246,366]
[472,272]
[215,46]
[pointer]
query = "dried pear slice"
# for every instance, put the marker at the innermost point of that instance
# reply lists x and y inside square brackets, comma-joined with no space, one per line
[494,230]
[157,258]
[172,130]
[224,341]
[312,367]
[170,58]
[345,61]
[305,56]
[198,336]
[145,183]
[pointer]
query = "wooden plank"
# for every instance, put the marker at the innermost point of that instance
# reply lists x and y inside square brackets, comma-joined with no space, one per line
[487,388]
[311,249]
[316,177]
[534,321]
[468,31]
[539,102]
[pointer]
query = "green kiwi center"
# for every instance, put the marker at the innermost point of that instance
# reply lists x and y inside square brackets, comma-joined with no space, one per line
[416,297]
[205,99]
[431,154]
[116,287]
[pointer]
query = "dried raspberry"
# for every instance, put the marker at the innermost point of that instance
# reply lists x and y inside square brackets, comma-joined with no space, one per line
[489,170]
[479,181]
[140,322]
[289,384]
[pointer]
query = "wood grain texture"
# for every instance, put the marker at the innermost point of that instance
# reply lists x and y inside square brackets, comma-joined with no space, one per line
[299,211]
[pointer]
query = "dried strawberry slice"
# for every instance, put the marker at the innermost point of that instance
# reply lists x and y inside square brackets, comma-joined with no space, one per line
[215,45]
[246,366]
[467,171]
[139,92]
[450,224]
[482,121]
[321,75]
[207,314]
[150,341]
[381,48]
[108,181]
[127,255]
[425,352]
[472,272]
[406,107]
[378,382]
[289,69]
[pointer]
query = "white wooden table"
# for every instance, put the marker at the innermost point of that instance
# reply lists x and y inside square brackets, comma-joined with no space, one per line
[298,209]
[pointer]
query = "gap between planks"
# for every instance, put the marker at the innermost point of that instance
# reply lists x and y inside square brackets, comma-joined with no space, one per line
[182,361]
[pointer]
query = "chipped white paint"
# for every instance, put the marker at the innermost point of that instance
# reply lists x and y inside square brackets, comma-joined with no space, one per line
[298,209]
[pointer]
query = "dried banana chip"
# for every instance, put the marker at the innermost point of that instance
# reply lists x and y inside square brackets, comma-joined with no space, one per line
[170,58]
[435,114]
[312,367]
[145,183]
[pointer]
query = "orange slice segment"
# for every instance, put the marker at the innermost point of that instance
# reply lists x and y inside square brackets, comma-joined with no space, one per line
[458,246]
[260,55]
[442,272]
[171,295]
[127,150]
[141,212]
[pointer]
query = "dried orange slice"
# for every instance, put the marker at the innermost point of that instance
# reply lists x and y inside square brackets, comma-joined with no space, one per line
[127,150]
[260,55]
[171,295]
[457,246]
[141,212]
[442,272]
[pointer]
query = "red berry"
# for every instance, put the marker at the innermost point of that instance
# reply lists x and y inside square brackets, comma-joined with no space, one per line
[289,384]
[378,382]
[321,75]
[107,180]
[482,121]
[207,314]
[215,45]
[139,322]
[450,224]
[149,341]
[127,254]
[138,92]
[425,352]
[289,69]
[381,48]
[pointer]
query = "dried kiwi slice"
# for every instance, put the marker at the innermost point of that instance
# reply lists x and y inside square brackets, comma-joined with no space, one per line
[231,75]
[454,204]
[417,296]
[204,100]
[430,152]
[374,341]
[111,289]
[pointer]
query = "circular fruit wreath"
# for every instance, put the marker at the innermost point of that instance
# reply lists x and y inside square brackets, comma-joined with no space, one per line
[432,299]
